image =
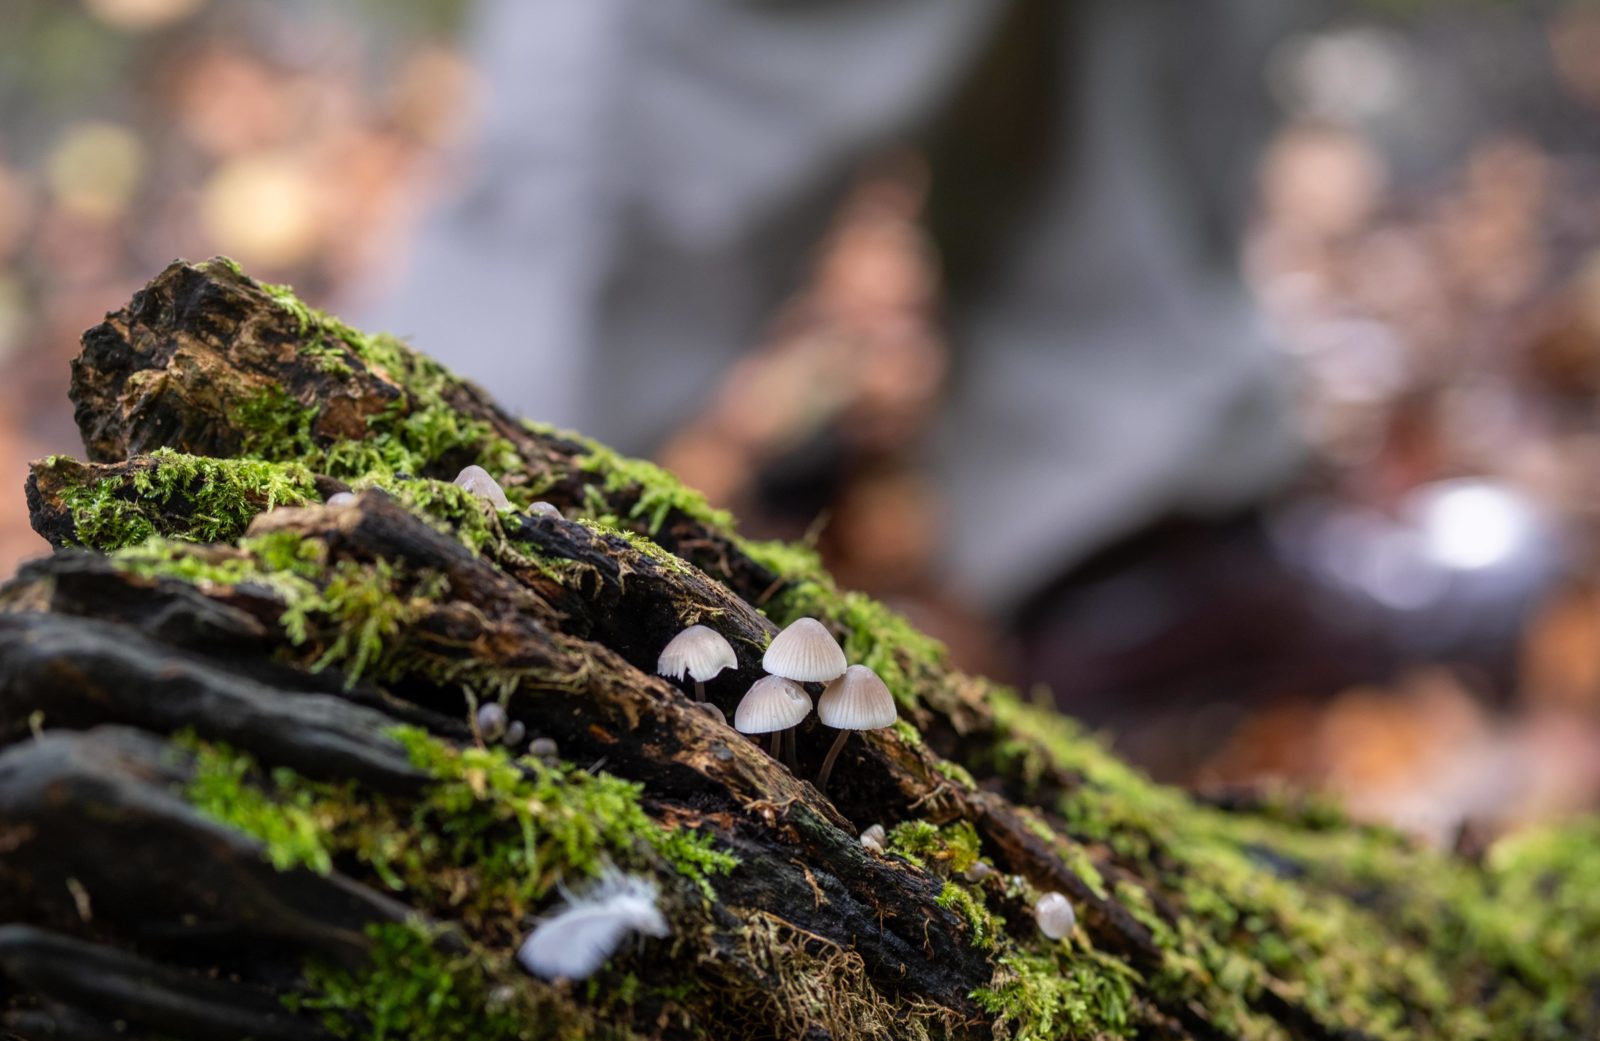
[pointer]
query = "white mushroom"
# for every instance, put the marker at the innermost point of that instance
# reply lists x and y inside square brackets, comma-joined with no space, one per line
[578,940]
[515,733]
[543,509]
[341,499]
[874,838]
[476,480]
[771,706]
[1055,915]
[543,748]
[804,652]
[858,700]
[977,871]
[698,651]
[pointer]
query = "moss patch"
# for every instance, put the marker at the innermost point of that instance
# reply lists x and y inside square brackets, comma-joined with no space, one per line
[176,496]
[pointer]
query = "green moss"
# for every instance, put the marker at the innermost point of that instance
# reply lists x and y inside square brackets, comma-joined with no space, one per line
[178,496]
[484,845]
[420,433]
[956,774]
[1039,998]
[365,610]
[586,818]
[292,826]
[952,848]
[416,987]
[655,493]
[985,927]
[657,554]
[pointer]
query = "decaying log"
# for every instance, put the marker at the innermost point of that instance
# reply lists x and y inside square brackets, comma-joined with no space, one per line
[241,779]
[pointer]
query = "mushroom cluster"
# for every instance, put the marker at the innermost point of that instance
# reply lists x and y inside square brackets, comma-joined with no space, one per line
[854,698]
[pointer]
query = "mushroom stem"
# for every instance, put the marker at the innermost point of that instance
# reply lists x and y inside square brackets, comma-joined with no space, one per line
[789,750]
[699,690]
[772,746]
[827,764]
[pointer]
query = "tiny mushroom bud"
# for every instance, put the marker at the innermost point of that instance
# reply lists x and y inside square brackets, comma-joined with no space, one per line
[977,871]
[341,498]
[874,837]
[698,651]
[713,711]
[543,509]
[515,733]
[1055,916]
[858,700]
[476,480]
[771,706]
[491,721]
[543,748]
[804,652]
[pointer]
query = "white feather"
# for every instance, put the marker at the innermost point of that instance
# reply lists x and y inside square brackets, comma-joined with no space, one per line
[575,942]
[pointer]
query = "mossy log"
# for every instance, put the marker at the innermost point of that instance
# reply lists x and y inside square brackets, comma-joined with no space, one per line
[243,793]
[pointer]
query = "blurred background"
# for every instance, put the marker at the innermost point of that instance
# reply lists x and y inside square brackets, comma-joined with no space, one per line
[1230,377]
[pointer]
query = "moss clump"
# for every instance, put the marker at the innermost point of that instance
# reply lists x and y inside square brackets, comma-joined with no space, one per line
[414,988]
[176,496]
[346,613]
[986,928]
[419,433]
[484,845]
[292,823]
[1040,997]
[655,493]
[952,848]
[587,818]
[489,840]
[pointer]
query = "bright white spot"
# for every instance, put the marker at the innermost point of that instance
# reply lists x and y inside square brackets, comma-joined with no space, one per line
[1471,524]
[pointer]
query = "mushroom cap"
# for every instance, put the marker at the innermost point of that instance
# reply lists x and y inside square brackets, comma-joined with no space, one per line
[476,480]
[804,652]
[543,509]
[874,838]
[341,498]
[771,703]
[858,700]
[1055,915]
[698,651]
[491,721]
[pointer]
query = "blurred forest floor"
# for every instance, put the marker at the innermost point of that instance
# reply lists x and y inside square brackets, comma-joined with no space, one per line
[1440,321]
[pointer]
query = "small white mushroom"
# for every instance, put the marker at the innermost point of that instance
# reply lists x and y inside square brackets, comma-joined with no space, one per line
[713,711]
[874,838]
[342,499]
[1055,915]
[698,651]
[804,652]
[515,733]
[543,748]
[543,509]
[771,706]
[977,871]
[579,939]
[476,480]
[491,721]
[858,700]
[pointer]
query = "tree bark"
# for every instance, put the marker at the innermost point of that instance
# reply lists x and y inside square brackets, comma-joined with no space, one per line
[277,664]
